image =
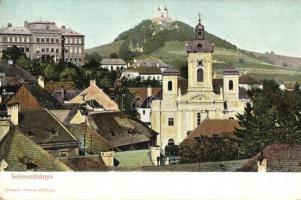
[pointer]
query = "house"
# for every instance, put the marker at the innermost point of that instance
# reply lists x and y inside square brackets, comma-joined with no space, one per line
[133,160]
[30,96]
[143,97]
[13,74]
[122,132]
[90,141]
[248,82]
[95,99]
[289,86]
[61,91]
[177,114]
[150,62]
[44,129]
[210,127]
[22,154]
[145,73]
[277,157]
[113,64]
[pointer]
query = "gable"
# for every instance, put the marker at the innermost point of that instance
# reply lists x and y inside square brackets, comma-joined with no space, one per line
[25,100]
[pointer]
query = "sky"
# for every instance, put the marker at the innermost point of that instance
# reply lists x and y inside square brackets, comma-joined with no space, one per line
[257,25]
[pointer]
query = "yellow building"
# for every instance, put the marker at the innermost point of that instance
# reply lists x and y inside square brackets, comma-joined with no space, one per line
[176,115]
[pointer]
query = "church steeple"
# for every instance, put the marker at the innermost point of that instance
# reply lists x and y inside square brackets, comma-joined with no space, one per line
[199,30]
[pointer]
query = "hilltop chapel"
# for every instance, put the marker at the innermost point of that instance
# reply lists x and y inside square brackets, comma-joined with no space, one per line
[177,114]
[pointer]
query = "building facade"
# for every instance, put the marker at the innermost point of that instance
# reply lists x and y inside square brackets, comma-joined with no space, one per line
[112,64]
[44,40]
[176,115]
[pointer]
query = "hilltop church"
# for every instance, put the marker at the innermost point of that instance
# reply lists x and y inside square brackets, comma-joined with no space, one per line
[177,114]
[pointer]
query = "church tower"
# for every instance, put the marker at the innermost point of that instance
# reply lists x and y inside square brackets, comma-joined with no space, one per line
[199,62]
[170,84]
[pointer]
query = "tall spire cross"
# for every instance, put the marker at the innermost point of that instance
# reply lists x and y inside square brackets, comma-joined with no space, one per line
[199,17]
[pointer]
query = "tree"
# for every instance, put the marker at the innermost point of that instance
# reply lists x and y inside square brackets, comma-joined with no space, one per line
[12,53]
[273,116]
[114,55]
[69,74]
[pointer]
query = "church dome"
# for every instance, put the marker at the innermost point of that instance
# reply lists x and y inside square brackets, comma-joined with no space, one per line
[199,44]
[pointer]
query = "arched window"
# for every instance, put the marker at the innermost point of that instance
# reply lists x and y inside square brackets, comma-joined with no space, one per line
[169,86]
[199,47]
[200,75]
[170,121]
[230,85]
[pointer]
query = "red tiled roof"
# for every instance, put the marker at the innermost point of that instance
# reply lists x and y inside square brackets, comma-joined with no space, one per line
[280,158]
[210,127]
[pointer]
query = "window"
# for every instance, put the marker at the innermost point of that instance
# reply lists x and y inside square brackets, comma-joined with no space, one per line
[42,39]
[57,50]
[75,49]
[199,47]
[200,75]
[47,49]
[198,118]
[169,86]
[13,39]
[66,41]
[143,112]
[27,49]
[38,39]
[75,41]
[79,41]
[38,49]
[47,40]
[27,39]
[66,50]
[75,59]
[22,49]
[79,50]
[22,39]
[71,50]
[71,40]
[79,60]
[18,39]
[170,121]
[52,50]
[57,40]
[52,40]
[230,85]
[111,68]
[8,39]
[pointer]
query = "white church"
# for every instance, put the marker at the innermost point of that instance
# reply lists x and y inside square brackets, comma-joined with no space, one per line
[177,114]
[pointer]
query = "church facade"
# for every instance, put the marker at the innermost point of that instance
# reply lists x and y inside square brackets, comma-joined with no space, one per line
[177,114]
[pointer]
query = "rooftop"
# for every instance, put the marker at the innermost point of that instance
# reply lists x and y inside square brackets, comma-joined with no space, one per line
[210,127]
[23,154]
[43,128]
[111,61]
[280,158]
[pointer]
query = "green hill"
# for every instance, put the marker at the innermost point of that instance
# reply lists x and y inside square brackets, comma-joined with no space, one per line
[167,42]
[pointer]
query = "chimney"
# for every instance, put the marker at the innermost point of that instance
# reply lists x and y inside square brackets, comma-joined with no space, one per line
[3,165]
[262,165]
[108,158]
[155,155]
[149,91]
[13,112]
[9,25]
[92,82]
[41,81]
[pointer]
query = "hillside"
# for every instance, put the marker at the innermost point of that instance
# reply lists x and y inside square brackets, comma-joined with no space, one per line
[148,37]
[271,57]
[167,42]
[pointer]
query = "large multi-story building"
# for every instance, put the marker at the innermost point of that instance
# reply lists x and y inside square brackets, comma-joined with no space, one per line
[44,40]
[177,114]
